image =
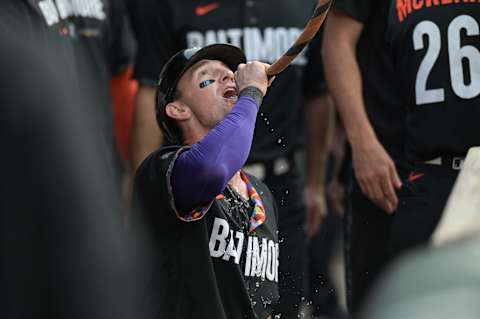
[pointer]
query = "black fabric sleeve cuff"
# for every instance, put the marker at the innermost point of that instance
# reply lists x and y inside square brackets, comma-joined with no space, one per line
[254,93]
[358,10]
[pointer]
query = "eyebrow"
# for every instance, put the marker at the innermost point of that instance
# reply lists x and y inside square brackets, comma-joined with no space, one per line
[197,68]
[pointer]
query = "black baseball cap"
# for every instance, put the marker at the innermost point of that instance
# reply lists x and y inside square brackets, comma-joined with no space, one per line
[176,67]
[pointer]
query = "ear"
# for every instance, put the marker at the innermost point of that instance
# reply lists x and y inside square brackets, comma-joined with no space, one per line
[178,111]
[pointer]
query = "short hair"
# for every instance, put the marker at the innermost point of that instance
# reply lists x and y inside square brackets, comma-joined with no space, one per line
[169,126]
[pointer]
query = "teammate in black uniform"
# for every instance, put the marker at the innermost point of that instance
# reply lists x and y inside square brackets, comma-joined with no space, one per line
[215,228]
[96,37]
[166,26]
[362,82]
[437,61]
[63,249]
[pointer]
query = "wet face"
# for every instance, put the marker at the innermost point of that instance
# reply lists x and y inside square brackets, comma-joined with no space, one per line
[209,90]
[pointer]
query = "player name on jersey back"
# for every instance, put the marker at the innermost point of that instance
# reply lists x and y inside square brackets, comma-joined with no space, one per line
[406,7]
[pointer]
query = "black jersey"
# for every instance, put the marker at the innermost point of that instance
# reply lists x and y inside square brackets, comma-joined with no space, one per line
[211,265]
[436,52]
[92,40]
[382,101]
[164,27]
[100,26]
[64,252]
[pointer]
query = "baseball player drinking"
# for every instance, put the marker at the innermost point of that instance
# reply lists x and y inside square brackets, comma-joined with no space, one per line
[214,226]
[264,30]
[437,59]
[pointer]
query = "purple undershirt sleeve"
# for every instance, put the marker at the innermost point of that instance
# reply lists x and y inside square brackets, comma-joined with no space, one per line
[202,172]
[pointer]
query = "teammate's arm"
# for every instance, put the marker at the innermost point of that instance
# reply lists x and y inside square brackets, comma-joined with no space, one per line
[318,123]
[145,135]
[152,23]
[374,169]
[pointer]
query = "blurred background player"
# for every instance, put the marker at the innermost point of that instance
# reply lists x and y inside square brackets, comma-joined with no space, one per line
[163,27]
[437,62]
[361,80]
[324,290]
[63,253]
[96,36]
[441,282]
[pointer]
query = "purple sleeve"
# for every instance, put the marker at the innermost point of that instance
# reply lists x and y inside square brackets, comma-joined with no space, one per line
[203,171]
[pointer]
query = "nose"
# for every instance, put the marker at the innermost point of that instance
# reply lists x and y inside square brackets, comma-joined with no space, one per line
[228,76]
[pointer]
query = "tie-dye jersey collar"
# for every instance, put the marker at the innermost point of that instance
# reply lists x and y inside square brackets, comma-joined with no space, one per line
[257,215]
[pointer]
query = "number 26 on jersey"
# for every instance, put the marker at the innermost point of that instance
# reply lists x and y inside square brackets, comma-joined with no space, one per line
[463,60]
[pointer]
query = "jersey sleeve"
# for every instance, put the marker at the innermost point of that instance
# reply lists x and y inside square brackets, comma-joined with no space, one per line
[357,9]
[153,26]
[122,42]
[153,192]
[314,83]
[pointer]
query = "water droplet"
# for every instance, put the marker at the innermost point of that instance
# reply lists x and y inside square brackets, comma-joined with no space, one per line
[272,130]
[287,191]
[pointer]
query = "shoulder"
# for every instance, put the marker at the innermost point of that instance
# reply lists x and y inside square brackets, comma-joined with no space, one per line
[151,187]
[156,166]
[163,154]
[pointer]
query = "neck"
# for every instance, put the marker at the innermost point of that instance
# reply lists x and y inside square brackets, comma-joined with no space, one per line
[193,135]
[237,183]
[236,179]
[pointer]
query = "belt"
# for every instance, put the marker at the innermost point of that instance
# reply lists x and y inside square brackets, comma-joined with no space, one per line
[277,167]
[455,163]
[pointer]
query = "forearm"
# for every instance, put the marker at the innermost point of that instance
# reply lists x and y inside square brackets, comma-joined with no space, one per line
[145,135]
[208,165]
[318,122]
[338,148]
[344,77]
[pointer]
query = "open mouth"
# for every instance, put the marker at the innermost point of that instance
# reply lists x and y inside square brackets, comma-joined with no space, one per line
[230,94]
